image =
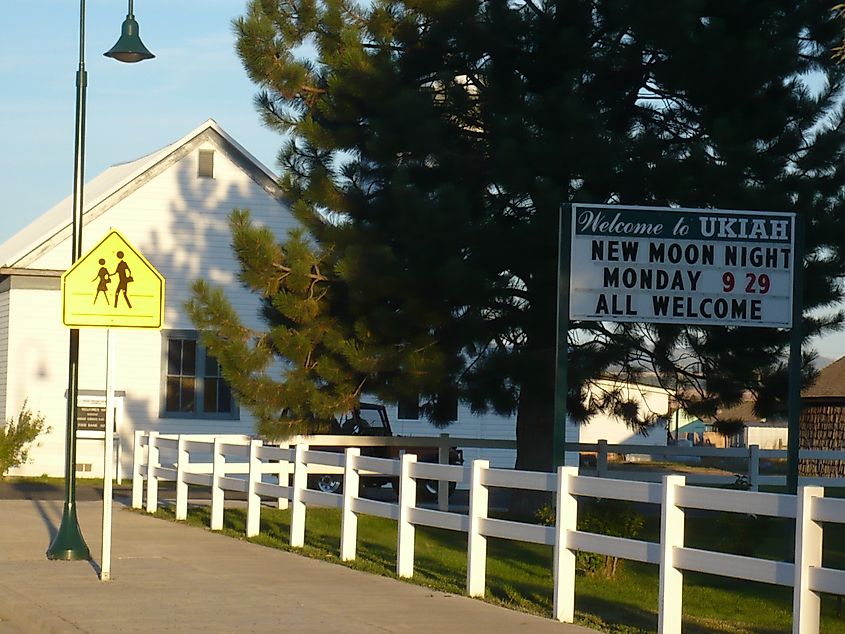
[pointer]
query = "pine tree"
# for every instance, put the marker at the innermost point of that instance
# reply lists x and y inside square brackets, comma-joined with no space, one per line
[308,367]
[440,137]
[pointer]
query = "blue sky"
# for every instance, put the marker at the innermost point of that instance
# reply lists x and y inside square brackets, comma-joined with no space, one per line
[133,109]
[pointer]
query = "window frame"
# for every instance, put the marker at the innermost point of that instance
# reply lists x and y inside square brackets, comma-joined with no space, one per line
[198,412]
[205,164]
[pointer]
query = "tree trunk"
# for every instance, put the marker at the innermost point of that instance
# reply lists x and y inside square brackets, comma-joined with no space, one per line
[534,429]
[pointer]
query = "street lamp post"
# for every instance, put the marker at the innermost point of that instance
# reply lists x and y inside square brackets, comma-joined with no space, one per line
[68,544]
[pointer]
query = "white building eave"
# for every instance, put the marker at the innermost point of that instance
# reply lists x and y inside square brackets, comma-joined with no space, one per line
[119,181]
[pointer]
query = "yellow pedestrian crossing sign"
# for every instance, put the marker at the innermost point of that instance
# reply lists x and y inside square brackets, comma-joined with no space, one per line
[113,286]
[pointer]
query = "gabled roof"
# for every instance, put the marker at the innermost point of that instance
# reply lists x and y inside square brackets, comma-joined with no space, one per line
[116,183]
[830,383]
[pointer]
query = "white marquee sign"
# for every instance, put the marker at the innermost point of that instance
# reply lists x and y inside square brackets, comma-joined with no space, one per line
[684,266]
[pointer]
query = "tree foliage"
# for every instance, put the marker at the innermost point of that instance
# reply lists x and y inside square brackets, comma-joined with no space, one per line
[16,438]
[308,366]
[429,145]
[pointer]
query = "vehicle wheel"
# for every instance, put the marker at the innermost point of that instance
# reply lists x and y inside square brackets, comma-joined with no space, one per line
[327,483]
[427,489]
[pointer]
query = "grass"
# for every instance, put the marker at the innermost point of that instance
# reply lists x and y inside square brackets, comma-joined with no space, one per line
[519,575]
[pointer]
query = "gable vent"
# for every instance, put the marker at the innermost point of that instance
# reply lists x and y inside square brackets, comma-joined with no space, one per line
[206,164]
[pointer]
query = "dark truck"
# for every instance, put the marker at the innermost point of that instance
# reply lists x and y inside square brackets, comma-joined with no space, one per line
[371,419]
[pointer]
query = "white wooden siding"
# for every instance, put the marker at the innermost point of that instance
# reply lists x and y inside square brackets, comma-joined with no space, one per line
[4,357]
[37,358]
[179,222]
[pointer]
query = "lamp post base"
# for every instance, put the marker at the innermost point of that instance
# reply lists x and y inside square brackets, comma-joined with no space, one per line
[68,544]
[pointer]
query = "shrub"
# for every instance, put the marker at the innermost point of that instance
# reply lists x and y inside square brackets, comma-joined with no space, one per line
[16,438]
[606,517]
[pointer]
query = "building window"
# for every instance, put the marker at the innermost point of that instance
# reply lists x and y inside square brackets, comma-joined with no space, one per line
[217,397]
[205,169]
[451,408]
[193,386]
[181,380]
[408,409]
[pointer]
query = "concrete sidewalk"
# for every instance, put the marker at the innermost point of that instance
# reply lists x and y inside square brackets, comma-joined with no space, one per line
[168,577]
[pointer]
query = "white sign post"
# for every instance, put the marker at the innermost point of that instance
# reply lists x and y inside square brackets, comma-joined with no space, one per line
[684,266]
[89,277]
[108,456]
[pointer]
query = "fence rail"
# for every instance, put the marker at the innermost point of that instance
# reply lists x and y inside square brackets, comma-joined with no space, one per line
[248,466]
[749,474]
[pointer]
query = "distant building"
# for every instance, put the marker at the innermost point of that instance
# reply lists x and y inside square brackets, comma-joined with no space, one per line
[823,421]
[652,400]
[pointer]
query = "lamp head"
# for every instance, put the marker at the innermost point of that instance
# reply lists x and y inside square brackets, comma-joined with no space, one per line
[129,47]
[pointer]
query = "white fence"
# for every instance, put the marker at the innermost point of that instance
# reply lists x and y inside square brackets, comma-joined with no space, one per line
[751,458]
[239,464]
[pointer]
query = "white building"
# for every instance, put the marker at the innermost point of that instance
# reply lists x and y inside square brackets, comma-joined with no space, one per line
[652,400]
[173,206]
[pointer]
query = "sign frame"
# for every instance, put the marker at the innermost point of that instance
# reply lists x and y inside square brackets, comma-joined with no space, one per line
[90,277]
[671,271]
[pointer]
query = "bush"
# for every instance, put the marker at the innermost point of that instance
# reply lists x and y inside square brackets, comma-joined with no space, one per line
[16,437]
[606,517]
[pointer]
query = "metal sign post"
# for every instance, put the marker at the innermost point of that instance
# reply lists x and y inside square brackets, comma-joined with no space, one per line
[795,361]
[562,348]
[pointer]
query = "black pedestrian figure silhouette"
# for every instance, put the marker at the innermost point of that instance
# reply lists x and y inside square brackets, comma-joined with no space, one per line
[103,286]
[125,275]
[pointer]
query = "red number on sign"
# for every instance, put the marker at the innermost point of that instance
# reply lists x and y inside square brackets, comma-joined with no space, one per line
[750,278]
[728,282]
[762,281]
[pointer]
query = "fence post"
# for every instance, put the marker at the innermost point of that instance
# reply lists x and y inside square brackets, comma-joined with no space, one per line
[601,459]
[476,541]
[407,501]
[137,479]
[349,519]
[253,499]
[182,458]
[152,480]
[218,500]
[284,477]
[443,485]
[564,558]
[808,554]
[754,468]
[671,578]
[300,483]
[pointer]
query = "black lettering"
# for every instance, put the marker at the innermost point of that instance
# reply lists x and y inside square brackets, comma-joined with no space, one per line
[738,308]
[730,256]
[601,306]
[629,251]
[656,252]
[660,305]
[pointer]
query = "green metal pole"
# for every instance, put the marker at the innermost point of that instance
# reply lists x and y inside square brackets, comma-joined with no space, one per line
[68,543]
[795,340]
[562,348]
